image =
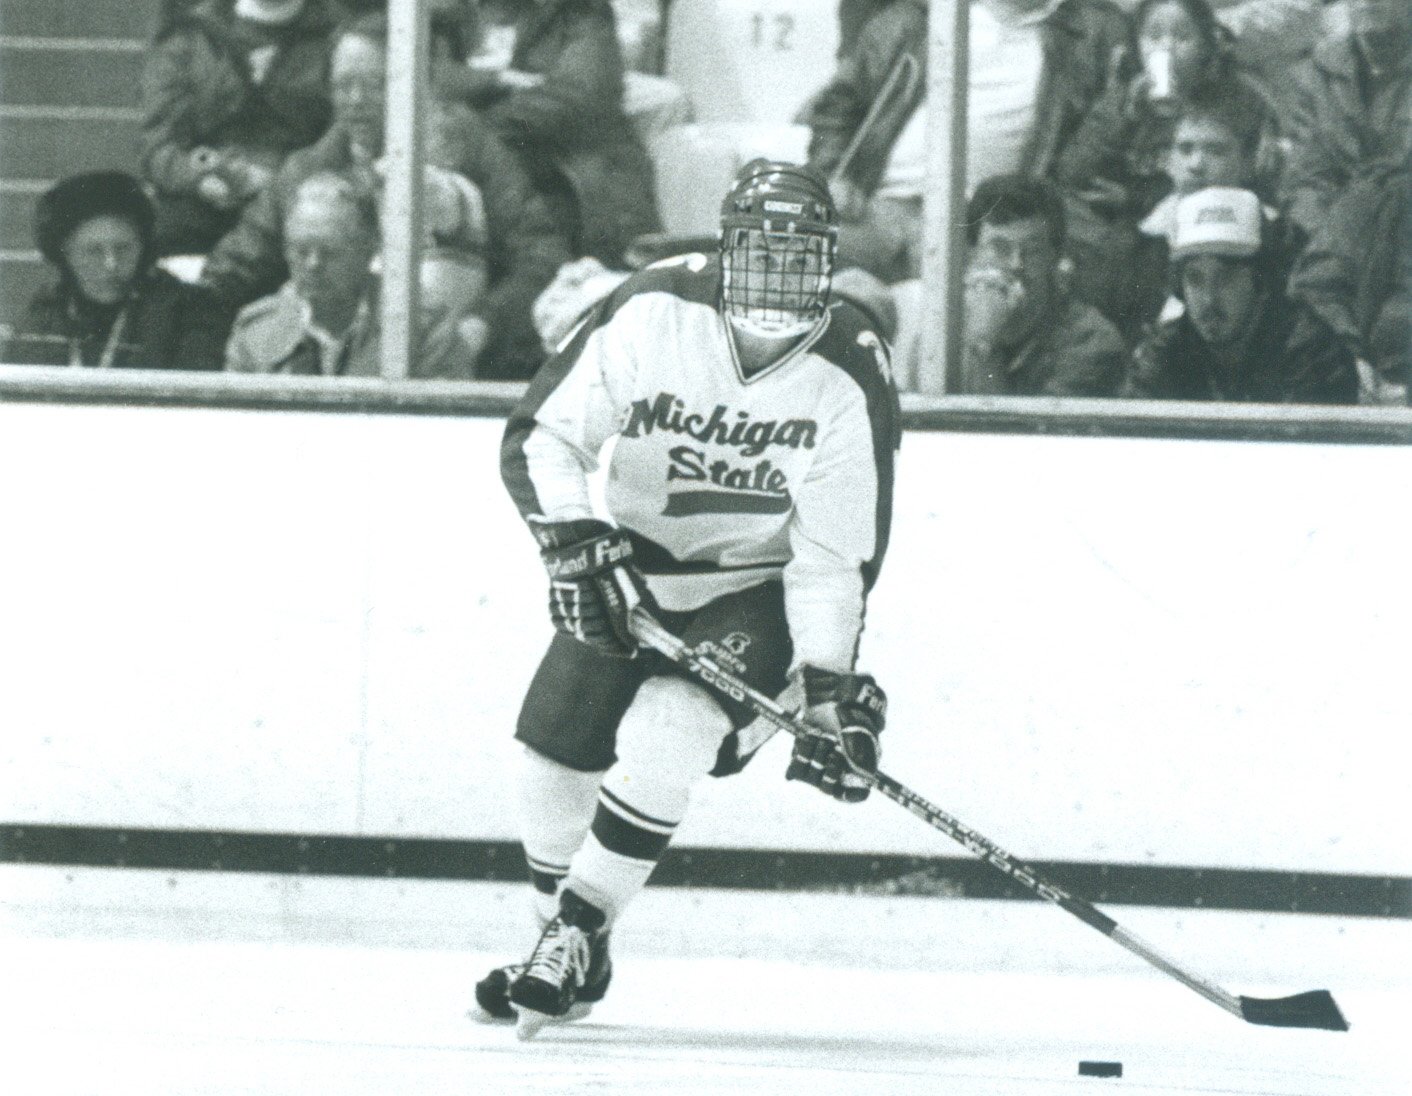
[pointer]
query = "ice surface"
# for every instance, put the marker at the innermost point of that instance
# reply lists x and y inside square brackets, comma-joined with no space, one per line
[710,996]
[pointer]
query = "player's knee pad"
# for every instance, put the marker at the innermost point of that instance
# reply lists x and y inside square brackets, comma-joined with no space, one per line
[671,732]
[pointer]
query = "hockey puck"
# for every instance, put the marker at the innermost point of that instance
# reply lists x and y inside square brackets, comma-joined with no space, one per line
[1100,1069]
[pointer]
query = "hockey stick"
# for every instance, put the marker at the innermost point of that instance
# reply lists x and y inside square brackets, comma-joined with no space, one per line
[1315,1009]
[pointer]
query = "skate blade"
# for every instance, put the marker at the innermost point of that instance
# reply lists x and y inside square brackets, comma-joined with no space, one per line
[529,1023]
[577,1011]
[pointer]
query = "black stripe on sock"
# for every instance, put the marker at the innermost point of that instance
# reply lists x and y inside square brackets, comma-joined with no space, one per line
[616,834]
[546,882]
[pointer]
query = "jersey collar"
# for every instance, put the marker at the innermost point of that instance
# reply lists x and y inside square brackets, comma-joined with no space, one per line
[795,351]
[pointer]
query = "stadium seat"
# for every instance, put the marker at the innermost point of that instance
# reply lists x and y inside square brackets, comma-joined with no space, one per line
[750,61]
[696,164]
[68,103]
[746,67]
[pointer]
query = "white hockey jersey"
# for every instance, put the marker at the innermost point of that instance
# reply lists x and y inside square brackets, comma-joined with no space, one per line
[724,481]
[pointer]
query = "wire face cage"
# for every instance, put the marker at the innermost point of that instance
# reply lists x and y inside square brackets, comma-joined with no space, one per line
[775,284]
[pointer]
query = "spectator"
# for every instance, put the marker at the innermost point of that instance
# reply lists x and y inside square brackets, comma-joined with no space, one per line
[522,254]
[111,305]
[550,77]
[453,289]
[1185,58]
[1214,143]
[324,321]
[1024,333]
[1356,275]
[853,16]
[1117,167]
[1386,378]
[1354,107]
[514,236]
[1267,37]
[1036,66]
[641,30]
[1240,337]
[229,89]
[1270,36]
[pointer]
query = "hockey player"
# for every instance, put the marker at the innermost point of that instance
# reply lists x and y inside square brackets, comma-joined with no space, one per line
[750,493]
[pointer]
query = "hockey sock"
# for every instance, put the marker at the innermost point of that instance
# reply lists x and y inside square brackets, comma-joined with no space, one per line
[607,879]
[625,841]
[666,742]
[556,808]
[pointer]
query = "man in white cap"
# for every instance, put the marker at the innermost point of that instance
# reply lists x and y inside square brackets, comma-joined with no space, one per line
[1240,337]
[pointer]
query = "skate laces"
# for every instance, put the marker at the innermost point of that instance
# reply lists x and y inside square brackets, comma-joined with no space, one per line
[563,951]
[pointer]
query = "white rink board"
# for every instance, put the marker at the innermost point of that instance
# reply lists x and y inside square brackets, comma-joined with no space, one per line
[1111,649]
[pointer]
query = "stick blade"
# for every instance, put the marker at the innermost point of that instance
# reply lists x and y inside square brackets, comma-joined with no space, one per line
[1315,1009]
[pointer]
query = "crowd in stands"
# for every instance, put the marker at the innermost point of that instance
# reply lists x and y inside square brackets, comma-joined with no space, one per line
[1181,199]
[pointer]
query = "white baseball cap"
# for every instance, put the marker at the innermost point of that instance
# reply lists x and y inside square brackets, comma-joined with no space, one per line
[1219,220]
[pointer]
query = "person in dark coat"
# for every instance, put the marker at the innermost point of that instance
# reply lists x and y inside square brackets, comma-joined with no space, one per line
[853,16]
[1024,332]
[482,205]
[1353,108]
[1186,57]
[555,96]
[1116,169]
[1240,337]
[1356,275]
[229,89]
[110,305]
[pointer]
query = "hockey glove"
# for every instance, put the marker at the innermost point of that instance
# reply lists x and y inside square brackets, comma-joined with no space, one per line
[846,713]
[593,585]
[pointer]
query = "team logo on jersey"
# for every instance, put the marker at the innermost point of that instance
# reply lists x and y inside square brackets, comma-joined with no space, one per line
[728,486]
[752,438]
[760,488]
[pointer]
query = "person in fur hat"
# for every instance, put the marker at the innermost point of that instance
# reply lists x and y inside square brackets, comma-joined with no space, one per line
[110,305]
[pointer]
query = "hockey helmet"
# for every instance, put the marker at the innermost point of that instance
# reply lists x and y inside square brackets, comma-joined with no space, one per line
[779,230]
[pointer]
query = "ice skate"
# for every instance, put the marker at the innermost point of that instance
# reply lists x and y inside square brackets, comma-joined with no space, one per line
[569,967]
[493,991]
[493,995]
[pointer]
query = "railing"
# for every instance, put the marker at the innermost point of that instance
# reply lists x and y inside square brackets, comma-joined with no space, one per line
[977,414]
